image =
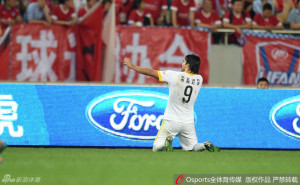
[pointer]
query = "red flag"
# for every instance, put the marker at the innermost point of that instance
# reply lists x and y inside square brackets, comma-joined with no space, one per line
[4,54]
[274,56]
[89,48]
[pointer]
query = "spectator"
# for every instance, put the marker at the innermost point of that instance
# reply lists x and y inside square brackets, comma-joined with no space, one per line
[21,6]
[82,11]
[221,6]
[283,8]
[64,13]
[295,3]
[198,4]
[158,10]
[248,6]
[258,6]
[49,4]
[123,9]
[138,14]
[237,19]
[38,13]
[207,18]
[262,83]
[294,17]
[266,20]
[183,13]
[106,4]
[9,14]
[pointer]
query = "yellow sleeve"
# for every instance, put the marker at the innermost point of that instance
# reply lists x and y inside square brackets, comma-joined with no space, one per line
[159,76]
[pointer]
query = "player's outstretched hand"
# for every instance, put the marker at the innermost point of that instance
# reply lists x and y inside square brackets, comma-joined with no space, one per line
[128,63]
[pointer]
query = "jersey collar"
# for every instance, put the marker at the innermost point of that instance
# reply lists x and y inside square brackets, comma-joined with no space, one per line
[190,74]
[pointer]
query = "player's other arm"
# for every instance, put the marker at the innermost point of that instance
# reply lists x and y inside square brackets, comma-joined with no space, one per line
[143,70]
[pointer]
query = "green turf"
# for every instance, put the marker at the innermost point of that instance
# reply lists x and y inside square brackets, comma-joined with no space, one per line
[138,166]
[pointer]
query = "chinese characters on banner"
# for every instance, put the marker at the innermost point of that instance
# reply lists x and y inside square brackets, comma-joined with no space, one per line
[41,54]
[273,56]
[59,53]
[160,49]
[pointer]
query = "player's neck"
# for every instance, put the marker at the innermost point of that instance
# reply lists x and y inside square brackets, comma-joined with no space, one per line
[188,71]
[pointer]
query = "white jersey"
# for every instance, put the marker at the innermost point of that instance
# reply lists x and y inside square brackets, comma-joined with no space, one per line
[183,92]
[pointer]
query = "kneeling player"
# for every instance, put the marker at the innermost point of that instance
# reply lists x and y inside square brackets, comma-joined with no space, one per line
[179,115]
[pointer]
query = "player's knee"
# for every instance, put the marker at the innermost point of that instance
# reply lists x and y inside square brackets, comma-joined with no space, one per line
[158,146]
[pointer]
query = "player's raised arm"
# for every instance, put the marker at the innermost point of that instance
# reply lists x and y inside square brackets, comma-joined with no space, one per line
[142,70]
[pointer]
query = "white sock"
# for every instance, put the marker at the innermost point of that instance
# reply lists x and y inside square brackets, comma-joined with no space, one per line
[199,147]
[158,147]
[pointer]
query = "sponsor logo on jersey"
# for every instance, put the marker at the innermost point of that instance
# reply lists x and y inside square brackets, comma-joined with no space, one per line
[285,116]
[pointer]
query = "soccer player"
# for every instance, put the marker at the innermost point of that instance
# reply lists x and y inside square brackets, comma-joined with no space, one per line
[179,115]
[266,20]
[262,83]
[64,13]
[9,14]
[2,147]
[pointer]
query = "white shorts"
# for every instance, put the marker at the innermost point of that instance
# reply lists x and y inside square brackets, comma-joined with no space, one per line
[185,131]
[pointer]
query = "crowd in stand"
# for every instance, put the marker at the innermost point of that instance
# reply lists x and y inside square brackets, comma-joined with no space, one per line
[211,14]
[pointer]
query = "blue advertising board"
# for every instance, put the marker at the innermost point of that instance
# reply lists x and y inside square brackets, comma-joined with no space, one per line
[130,116]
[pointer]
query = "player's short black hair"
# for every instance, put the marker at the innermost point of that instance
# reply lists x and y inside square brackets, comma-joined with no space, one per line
[233,1]
[267,6]
[136,4]
[194,62]
[263,79]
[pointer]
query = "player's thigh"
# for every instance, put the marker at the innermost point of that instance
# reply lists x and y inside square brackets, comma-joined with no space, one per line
[187,136]
[167,128]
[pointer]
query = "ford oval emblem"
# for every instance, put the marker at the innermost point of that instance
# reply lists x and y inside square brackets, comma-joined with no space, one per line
[130,114]
[285,117]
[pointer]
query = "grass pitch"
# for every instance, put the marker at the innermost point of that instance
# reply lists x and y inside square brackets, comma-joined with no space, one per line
[84,166]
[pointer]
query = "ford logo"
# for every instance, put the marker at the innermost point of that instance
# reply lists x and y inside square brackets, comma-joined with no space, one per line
[129,114]
[285,117]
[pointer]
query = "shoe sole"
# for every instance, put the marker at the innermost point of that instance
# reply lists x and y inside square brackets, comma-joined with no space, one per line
[211,147]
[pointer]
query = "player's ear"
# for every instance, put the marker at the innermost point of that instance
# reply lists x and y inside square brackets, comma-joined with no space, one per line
[187,66]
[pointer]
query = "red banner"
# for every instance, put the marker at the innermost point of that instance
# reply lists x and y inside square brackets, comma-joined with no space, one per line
[273,56]
[58,53]
[160,49]
[43,54]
